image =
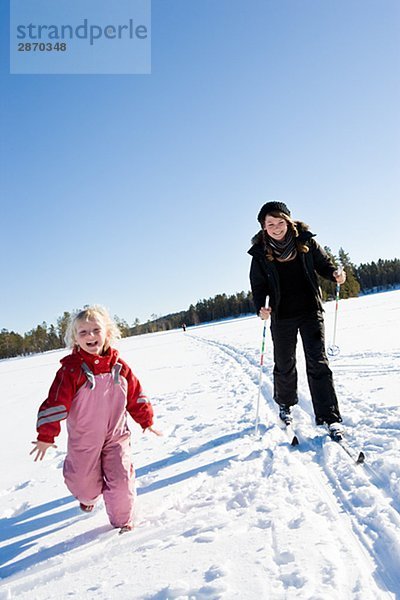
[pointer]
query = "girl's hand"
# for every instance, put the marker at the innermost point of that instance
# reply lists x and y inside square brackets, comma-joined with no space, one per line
[41,449]
[340,276]
[155,431]
[264,313]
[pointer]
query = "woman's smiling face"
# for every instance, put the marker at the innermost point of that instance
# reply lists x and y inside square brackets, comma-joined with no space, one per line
[91,335]
[276,227]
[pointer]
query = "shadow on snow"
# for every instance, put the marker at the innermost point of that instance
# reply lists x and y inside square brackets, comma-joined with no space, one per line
[34,519]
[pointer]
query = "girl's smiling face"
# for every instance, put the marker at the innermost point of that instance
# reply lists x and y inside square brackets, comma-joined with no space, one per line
[91,335]
[276,227]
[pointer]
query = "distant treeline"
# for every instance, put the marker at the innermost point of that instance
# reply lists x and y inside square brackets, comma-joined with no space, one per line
[366,278]
[44,337]
[213,309]
[382,275]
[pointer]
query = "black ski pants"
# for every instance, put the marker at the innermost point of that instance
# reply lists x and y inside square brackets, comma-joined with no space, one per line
[320,381]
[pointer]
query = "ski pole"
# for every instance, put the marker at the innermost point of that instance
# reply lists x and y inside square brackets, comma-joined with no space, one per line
[260,377]
[334,350]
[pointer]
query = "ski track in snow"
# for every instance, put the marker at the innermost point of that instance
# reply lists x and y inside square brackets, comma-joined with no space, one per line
[373,519]
[221,515]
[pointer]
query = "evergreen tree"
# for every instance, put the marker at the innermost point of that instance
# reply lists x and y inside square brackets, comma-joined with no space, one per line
[193,317]
[122,326]
[328,288]
[351,287]
[53,341]
[11,344]
[62,324]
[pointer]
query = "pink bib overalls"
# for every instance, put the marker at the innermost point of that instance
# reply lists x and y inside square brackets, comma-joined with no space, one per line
[98,459]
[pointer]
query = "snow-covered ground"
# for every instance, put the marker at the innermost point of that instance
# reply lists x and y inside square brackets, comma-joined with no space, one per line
[220,514]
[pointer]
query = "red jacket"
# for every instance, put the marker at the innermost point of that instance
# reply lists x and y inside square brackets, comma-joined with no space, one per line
[70,377]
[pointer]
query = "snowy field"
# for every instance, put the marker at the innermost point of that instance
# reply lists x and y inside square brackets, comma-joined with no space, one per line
[220,514]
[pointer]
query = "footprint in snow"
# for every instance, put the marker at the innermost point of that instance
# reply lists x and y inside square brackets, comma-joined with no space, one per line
[200,535]
[254,454]
[22,486]
[239,501]
[296,523]
[293,580]
[205,538]
[214,572]
[20,509]
[180,592]
[263,523]
[284,558]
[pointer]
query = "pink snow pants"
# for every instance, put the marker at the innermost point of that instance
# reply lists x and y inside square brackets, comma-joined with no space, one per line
[98,459]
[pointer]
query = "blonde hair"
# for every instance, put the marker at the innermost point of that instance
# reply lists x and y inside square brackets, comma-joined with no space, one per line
[96,311]
[292,226]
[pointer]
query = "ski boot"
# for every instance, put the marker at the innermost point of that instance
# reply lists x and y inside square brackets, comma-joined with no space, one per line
[126,528]
[284,414]
[335,431]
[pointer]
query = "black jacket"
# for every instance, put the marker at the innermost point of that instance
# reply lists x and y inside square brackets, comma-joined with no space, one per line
[264,277]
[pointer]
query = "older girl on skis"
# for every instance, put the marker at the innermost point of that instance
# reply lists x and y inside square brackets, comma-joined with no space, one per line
[285,262]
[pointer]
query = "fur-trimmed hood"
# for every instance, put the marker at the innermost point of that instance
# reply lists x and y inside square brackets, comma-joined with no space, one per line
[302,229]
[264,276]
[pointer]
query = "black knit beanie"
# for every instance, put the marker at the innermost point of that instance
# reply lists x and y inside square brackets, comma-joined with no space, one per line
[270,207]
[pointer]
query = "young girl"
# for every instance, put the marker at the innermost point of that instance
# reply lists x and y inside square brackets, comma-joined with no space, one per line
[93,390]
[285,263]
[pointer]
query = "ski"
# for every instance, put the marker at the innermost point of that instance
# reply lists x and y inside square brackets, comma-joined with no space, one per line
[290,432]
[357,456]
[292,436]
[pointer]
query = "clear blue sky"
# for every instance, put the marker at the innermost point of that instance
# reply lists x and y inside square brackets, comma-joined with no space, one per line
[141,192]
